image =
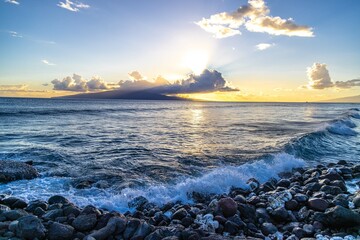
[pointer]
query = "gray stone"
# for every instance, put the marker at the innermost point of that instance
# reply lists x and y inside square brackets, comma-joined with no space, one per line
[15,214]
[58,231]
[115,224]
[30,227]
[180,214]
[342,217]
[51,215]
[142,231]
[57,199]
[268,228]
[333,190]
[318,204]
[131,227]
[14,170]
[227,206]
[84,222]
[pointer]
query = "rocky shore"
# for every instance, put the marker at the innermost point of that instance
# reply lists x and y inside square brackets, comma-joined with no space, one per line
[308,203]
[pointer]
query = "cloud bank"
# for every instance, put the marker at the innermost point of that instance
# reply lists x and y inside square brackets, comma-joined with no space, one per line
[319,78]
[77,83]
[71,6]
[208,81]
[255,17]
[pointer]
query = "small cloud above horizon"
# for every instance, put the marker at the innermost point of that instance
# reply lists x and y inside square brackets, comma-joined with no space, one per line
[12,2]
[264,46]
[319,78]
[72,6]
[15,34]
[255,17]
[47,62]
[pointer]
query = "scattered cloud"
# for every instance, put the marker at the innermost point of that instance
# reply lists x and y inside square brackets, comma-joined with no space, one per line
[47,62]
[264,46]
[255,17]
[319,78]
[19,88]
[72,6]
[77,83]
[12,1]
[136,76]
[15,34]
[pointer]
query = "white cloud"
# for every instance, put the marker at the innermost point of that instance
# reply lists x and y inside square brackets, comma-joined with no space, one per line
[15,34]
[319,78]
[47,62]
[255,17]
[77,83]
[12,1]
[264,46]
[72,6]
[136,76]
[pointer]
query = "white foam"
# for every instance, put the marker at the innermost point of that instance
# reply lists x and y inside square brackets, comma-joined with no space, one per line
[343,127]
[217,181]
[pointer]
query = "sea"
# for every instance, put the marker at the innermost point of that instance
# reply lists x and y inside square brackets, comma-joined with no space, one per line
[117,150]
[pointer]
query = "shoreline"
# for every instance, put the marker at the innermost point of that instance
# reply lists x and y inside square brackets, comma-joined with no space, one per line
[308,203]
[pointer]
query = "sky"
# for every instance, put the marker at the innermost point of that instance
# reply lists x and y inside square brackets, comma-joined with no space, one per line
[222,50]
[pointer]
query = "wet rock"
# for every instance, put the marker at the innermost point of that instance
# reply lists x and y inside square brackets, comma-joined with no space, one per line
[71,210]
[318,204]
[138,202]
[342,217]
[131,227]
[4,208]
[308,229]
[30,227]
[115,224]
[142,231]
[280,214]
[247,211]
[284,183]
[333,190]
[342,162]
[35,204]
[301,198]
[58,231]
[268,228]
[231,227]
[291,205]
[85,222]
[227,206]
[180,214]
[57,199]
[299,232]
[14,170]
[51,215]
[19,204]
[253,184]
[356,201]
[39,212]
[14,214]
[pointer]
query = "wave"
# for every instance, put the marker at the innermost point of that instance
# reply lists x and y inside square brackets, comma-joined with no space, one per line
[217,181]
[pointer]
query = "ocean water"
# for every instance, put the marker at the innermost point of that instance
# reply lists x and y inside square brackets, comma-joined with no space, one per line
[165,150]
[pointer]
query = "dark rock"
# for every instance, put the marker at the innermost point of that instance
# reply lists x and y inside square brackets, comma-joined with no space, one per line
[14,170]
[284,183]
[71,210]
[180,214]
[341,200]
[142,231]
[156,235]
[333,176]
[35,204]
[253,200]
[51,215]
[299,232]
[90,210]
[240,199]
[333,190]
[356,201]
[187,221]
[303,214]
[308,229]
[268,228]
[247,211]
[58,231]
[39,212]
[342,162]
[261,213]
[4,208]
[318,204]
[131,227]
[301,198]
[231,227]
[57,199]
[14,214]
[313,187]
[30,227]
[20,204]
[237,220]
[342,217]
[109,229]
[253,184]
[138,202]
[85,222]
[227,206]
[280,214]
[339,184]
[291,205]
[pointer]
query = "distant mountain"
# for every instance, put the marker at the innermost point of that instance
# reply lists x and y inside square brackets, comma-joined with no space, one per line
[352,99]
[121,94]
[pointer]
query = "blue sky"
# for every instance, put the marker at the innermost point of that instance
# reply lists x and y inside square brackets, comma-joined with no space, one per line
[112,38]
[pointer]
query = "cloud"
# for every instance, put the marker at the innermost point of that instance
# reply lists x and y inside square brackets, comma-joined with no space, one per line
[71,6]
[264,46]
[255,17]
[12,1]
[77,83]
[47,62]
[19,88]
[15,34]
[319,78]
[208,81]
[136,76]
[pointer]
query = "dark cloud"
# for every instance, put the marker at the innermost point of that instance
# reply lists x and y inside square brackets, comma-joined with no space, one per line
[208,81]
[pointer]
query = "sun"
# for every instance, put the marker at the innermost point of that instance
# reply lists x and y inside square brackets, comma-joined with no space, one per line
[196,61]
